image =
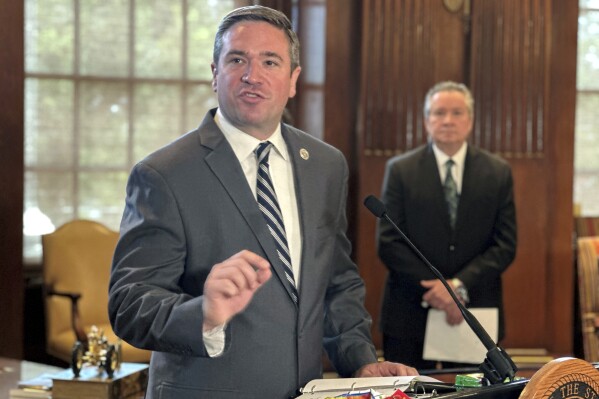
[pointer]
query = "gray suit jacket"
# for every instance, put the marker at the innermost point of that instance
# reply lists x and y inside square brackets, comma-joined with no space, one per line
[477,252]
[189,207]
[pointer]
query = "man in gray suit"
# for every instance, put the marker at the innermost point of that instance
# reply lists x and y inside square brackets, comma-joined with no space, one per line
[198,276]
[455,202]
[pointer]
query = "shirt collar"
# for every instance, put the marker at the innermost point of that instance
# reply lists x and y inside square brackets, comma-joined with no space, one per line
[459,157]
[244,144]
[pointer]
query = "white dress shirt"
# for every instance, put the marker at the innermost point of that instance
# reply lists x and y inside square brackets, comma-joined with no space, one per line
[281,173]
[457,172]
[459,159]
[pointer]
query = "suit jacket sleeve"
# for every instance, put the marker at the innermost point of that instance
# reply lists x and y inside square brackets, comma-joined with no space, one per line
[397,256]
[148,263]
[347,338]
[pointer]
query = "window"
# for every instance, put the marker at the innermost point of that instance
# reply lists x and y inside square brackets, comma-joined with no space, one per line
[586,161]
[107,82]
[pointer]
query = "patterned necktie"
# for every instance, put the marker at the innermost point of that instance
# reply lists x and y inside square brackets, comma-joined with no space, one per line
[451,193]
[268,204]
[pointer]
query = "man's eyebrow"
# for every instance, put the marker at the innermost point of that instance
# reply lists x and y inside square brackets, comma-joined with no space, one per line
[271,54]
[237,52]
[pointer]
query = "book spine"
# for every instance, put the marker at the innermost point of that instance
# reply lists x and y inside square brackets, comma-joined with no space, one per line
[130,385]
[109,389]
[81,390]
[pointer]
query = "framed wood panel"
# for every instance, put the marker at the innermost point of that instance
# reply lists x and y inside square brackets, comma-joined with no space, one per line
[11,178]
[519,59]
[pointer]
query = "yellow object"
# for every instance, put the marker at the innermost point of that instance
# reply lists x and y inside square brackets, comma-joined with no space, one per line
[588,283]
[76,269]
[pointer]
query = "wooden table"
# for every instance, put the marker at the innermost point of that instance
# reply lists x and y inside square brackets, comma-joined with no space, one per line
[448,375]
[12,371]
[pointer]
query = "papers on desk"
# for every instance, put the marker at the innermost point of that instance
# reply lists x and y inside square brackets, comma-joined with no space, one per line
[35,382]
[24,393]
[458,343]
[129,380]
[332,387]
[36,387]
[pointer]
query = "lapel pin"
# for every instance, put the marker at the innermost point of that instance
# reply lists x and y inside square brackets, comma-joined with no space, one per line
[304,153]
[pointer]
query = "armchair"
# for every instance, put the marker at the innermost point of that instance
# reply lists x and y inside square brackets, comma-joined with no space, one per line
[76,268]
[588,283]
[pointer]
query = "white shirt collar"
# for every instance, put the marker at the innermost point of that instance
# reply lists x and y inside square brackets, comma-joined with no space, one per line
[459,157]
[244,144]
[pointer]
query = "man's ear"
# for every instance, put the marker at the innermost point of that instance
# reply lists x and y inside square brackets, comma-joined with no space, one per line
[214,73]
[293,86]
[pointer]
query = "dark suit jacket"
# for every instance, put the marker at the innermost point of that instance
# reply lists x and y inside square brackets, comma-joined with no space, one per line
[189,207]
[482,246]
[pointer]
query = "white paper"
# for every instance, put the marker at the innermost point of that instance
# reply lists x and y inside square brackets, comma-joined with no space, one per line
[458,343]
[331,387]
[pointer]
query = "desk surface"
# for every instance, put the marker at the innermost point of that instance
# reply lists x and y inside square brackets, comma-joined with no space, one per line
[12,371]
[448,375]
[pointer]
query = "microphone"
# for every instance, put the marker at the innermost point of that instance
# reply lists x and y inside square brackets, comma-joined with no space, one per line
[497,366]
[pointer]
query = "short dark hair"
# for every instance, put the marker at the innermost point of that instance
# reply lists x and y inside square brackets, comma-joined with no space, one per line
[258,13]
[448,85]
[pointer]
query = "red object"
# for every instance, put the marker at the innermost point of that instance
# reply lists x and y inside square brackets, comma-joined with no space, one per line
[399,394]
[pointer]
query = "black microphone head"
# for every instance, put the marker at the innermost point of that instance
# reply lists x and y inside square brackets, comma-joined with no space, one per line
[375,206]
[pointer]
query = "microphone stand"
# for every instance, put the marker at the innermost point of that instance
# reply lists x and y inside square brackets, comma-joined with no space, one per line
[497,366]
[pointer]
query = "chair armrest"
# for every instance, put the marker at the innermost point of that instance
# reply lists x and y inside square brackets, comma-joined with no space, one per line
[74,296]
[75,319]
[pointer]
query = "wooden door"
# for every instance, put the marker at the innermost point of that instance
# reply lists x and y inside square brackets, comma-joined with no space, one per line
[519,59]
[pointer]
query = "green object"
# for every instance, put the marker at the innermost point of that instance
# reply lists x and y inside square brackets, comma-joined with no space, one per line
[469,380]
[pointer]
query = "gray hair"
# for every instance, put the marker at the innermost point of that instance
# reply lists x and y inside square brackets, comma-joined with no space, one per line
[259,14]
[448,85]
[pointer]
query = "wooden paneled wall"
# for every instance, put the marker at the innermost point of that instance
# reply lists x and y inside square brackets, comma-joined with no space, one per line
[509,65]
[407,47]
[11,178]
[519,59]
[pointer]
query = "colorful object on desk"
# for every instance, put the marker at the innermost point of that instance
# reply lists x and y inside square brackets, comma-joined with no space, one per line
[367,394]
[399,394]
[475,380]
[97,351]
[371,394]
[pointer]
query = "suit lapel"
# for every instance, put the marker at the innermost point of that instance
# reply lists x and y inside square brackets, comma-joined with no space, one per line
[222,161]
[469,179]
[305,172]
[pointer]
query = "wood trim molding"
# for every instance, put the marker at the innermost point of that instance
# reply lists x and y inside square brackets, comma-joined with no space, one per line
[11,177]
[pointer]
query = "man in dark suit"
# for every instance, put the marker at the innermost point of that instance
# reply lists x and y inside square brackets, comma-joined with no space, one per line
[233,265]
[461,216]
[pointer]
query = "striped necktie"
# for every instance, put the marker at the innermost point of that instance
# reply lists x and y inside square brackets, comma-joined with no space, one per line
[268,204]
[451,193]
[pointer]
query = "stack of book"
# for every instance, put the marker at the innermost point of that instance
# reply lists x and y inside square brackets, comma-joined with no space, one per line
[530,357]
[24,393]
[37,387]
[129,381]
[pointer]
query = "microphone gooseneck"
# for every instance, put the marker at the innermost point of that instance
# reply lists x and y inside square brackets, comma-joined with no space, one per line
[497,366]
